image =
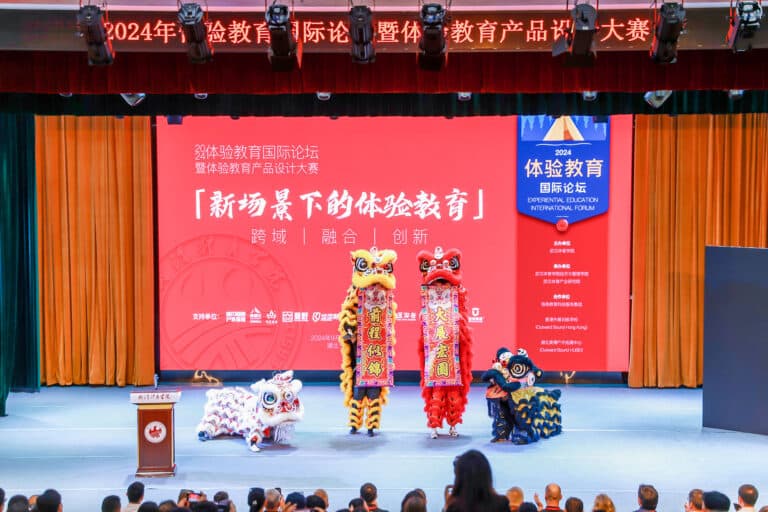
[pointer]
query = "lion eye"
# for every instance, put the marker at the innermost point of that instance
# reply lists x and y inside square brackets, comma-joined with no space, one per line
[269,399]
[361,265]
[454,263]
[424,267]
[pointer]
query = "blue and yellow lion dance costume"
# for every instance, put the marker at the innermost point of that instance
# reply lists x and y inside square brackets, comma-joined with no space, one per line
[521,412]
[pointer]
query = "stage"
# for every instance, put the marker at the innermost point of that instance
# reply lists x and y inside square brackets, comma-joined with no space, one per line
[82,441]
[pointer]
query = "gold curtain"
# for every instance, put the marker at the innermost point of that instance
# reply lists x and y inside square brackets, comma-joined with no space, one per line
[698,180]
[95,227]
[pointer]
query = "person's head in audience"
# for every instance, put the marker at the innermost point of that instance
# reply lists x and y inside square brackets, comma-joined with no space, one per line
[111,504]
[715,501]
[573,504]
[135,492]
[414,503]
[415,493]
[204,506]
[603,503]
[315,503]
[273,500]
[49,501]
[2,499]
[528,506]
[256,498]
[695,501]
[647,497]
[747,496]
[323,495]
[149,506]
[166,506]
[222,501]
[297,499]
[370,494]
[358,505]
[18,503]
[553,495]
[515,496]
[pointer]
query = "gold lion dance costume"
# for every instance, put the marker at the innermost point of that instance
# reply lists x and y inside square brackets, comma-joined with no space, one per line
[445,346]
[521,412]
[367,337]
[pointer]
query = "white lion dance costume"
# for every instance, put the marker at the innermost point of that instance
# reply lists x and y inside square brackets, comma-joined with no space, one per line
[367,337]
[269,412]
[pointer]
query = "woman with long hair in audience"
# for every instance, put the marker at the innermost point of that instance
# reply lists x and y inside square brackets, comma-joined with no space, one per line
[603,504]
[472,489]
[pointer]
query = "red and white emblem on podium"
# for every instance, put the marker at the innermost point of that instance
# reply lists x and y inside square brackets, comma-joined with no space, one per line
[155,432]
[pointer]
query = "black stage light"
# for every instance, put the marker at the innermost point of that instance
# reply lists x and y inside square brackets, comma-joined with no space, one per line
[282,45]
[361,34]
[133,98]
[656,98]
[90,24]
[578,45]
[745,22]
[191,18]
[432,43]
[669,22]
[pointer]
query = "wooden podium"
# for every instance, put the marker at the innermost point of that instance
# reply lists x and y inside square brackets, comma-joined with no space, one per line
[156,451]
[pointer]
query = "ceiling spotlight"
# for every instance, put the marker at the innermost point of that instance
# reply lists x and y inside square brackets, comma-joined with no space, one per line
[174,120]
[192,20]
[669,21]
[323,96]
[578,45]
[735,94]
[589,95]
[463,96]
[361,34]
[133,98]
[201,95]
[282,45]
[65,94]
[657,98]
[91,27]
[745,22]
[432,42]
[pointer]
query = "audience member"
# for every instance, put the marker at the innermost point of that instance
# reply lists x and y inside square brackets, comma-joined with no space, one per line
[204,506]
[552,497]
[647,498]
[149,506]
[414,503]
[298,500]
[603,503]
[715,501]
[2,499]
[695,501]
[370,495]
[111,504]
[763,509]
[323,495]
[358,505]
[315,503]
[472,489]
[223,503]
[573,504]
[515,496]
[256,498]
[49,501]
[135,495]
[167,506]
[273,500]
[747,498]
[19,503]
[527,506]
[415,493]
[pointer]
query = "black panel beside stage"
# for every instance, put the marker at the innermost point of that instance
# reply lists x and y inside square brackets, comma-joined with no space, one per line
[736,339]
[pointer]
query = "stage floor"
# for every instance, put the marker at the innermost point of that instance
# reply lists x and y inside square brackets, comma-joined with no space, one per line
[82,441]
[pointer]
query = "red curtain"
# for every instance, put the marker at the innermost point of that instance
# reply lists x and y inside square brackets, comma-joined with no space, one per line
[480,72]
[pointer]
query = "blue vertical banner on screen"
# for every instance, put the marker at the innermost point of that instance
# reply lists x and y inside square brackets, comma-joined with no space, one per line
[562,167]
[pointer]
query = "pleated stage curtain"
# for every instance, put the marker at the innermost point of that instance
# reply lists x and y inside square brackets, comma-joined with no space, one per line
[699,180]
[19,334]
[96,250]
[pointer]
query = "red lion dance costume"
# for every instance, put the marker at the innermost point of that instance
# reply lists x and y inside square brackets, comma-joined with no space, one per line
[367,337]
[445,347]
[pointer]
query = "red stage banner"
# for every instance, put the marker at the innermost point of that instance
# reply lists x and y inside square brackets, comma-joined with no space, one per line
[440,325]
[375,355]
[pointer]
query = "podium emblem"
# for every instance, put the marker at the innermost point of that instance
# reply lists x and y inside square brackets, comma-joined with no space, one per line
[155,432]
